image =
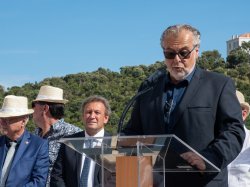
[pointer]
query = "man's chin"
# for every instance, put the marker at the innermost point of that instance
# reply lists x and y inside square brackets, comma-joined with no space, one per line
[91,125]
[178,77]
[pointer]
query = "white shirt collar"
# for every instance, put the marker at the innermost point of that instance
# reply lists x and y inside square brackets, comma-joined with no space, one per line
[99,134]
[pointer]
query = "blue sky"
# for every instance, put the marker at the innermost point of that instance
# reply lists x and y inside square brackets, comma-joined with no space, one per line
[52,38]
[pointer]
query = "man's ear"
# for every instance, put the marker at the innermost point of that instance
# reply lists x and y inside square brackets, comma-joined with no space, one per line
[24,121]
[46,108]
[244,114]
[197,50]
[106,119]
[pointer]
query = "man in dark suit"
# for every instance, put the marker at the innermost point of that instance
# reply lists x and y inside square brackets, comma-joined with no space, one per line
[69,165]
[24,158]
[198,106]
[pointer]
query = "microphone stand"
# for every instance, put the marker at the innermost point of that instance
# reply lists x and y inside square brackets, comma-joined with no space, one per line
[121,121]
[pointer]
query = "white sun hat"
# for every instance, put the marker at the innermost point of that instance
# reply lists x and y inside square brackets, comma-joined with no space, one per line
[14,106]
[50,94]
[242,101]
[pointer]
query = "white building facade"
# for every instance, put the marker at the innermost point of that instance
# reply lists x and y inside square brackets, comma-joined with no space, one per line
[237,41]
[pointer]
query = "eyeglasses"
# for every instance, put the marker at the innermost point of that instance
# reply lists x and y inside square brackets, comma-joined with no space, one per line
[11,120]
[33,104]
[183,54]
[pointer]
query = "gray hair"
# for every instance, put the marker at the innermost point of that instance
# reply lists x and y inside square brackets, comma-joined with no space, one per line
[175,30]
[97,98]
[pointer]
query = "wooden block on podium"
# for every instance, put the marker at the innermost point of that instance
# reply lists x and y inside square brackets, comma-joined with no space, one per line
[127,168]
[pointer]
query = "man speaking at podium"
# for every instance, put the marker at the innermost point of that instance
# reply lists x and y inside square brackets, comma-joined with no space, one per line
[198,106]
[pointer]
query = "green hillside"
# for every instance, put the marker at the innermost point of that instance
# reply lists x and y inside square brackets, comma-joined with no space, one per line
[119,87]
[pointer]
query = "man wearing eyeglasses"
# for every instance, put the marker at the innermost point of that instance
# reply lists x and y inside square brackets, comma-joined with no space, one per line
[198,106]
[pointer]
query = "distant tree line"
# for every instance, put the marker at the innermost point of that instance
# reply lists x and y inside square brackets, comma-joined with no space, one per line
[120,87]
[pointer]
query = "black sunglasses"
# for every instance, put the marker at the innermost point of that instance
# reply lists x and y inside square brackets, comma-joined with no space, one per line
[183,54]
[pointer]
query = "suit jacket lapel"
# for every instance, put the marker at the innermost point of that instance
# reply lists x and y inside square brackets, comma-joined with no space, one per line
[188,95]
[78,159]
[160,88]
[78,163]
[22,148]
[2,151]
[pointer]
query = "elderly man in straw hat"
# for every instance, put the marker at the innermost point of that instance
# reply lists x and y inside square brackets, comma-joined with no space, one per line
[24,157]
[48,117]
[239,169]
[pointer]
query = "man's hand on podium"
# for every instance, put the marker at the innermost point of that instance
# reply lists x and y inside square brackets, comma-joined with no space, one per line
[194,160]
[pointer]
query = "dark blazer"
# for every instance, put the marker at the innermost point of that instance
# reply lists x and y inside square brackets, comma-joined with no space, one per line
[30,164]
[67,168]
[208,118]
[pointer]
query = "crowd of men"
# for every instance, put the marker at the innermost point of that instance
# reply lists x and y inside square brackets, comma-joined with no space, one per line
[201,108]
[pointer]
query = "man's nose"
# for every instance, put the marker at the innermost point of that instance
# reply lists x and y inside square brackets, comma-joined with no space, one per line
[92,114]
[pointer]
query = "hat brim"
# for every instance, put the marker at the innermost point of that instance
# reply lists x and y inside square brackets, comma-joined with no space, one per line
[15,114]
[64,101]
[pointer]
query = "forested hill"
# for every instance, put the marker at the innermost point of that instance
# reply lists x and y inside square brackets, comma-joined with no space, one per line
[117,87]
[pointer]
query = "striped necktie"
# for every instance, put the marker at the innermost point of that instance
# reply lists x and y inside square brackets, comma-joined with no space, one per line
[86,166]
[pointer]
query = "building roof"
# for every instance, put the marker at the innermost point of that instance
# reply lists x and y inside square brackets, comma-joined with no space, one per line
[246,35]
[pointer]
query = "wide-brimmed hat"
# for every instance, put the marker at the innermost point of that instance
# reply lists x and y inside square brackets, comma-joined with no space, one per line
[50,94]
[242,101]
[14,106]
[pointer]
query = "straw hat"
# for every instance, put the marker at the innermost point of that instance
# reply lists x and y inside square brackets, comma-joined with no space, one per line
[242,101]
[14,106]
[50,94]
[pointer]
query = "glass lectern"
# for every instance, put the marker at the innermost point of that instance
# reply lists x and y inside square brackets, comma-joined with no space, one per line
[135,160]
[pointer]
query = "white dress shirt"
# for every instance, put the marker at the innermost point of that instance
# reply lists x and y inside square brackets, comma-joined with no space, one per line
[98,142]
[239,168]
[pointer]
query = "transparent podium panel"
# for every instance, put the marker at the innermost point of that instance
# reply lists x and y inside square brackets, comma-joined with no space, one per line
[135,160]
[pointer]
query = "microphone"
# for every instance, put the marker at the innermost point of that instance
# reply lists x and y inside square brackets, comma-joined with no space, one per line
[146,86]
[154,78]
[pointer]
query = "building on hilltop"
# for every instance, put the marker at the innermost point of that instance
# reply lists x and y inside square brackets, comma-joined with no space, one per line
[237,41]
